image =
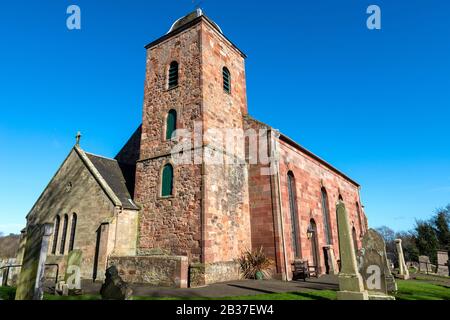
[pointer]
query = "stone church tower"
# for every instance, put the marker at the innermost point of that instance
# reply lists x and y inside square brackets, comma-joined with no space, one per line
[186,195]
[206,215]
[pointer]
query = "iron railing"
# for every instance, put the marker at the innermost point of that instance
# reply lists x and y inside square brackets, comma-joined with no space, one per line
[6,274]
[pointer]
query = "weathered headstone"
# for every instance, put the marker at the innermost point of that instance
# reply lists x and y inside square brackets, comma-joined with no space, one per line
[72,277]
[403,272]
[332,264]
[374,268]
[2,271]
[351,285]
[424,264]
[32,272]
[114,287]
[442,260]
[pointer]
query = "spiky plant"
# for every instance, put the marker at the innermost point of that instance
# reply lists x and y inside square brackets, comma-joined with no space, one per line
[255,262]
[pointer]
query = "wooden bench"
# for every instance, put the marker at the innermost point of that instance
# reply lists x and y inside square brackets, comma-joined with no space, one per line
[303,270]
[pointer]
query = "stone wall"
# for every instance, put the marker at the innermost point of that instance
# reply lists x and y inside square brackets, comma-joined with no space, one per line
[201,274]
[226,205]
[74,190]
[164,271]
[207,218]
[310,176]
[171,224]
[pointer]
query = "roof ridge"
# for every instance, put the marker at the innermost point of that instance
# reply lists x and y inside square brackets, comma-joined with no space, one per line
[99,156]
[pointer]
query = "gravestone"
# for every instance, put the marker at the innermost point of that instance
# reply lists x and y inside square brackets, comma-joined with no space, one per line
[332,264]
[31,276]
[374,268]
[72,277]
[424,264]
[403,272]
[442,260]
[351,285]
[114,288]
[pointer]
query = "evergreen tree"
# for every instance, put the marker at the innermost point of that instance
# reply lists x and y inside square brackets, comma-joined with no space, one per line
[426,240]
[441,224]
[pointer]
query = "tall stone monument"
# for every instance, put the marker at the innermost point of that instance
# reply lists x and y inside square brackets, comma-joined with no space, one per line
[403,272]
[374,267]
[351,285]
[29,286]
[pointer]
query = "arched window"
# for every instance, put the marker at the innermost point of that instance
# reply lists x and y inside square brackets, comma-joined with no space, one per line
[358,211]
[355,242]
[64,234]
[226,80]
[340,197]
[171,124]
[55,234]
[167,181]
[72,231]
[173,74]
[326,217]
[294,216]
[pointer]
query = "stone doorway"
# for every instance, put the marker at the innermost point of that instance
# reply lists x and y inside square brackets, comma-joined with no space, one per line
[325,260]
[100,252]
[314,244]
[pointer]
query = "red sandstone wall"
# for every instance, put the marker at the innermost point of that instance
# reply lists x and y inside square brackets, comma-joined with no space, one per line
[226,206]
[310,175]
[171,225]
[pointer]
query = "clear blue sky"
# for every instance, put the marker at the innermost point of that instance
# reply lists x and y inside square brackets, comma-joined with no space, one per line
[373,103]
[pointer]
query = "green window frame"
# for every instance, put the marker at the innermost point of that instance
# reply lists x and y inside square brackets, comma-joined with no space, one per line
[171,124]
[167,181]
[173,74]
[226,80]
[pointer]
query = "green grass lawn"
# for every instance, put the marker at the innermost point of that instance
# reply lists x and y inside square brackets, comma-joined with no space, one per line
[407,290]
[421,290]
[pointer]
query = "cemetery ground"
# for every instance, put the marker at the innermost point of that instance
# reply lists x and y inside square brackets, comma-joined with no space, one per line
[420,287]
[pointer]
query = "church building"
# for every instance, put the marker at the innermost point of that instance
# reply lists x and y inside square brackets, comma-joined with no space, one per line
[176,223]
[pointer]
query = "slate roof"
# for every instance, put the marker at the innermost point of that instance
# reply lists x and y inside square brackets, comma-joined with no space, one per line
[112,173]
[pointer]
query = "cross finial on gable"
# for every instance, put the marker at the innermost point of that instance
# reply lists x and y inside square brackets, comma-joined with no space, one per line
[78,138]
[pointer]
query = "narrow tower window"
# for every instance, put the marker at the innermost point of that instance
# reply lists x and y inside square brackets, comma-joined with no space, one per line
[171,124]
[294,216]
[72,231]
[326,217]
[173,74]
[55,234]
[358,211]
[64,234]
[226,80]
[167,181]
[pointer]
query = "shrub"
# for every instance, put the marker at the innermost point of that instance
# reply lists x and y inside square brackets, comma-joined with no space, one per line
[255,264]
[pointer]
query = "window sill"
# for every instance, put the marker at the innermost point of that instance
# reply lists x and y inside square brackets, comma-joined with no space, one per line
[173,88]
[166,197]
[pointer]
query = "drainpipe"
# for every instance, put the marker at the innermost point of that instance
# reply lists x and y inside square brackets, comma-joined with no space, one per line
[275,159]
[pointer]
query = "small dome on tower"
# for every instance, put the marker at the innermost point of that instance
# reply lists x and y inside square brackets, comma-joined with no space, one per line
[190,17]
